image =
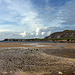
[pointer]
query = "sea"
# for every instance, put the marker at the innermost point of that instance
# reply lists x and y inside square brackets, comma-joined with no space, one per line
[26,41]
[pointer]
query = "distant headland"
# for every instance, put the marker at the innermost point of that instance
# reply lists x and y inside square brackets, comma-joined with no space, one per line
[64,34]
[57,37]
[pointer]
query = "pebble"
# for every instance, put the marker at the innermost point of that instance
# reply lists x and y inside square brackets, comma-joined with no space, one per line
[60,73]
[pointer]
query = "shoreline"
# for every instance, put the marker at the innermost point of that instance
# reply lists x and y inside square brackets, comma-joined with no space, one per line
[31,60]
[41,45]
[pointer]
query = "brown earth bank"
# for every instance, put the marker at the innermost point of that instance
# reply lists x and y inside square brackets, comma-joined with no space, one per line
[30,59]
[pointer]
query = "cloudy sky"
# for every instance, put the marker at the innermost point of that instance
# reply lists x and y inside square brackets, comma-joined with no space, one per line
[35,18]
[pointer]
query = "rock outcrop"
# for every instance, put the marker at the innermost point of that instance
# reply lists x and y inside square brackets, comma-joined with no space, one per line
[64,34]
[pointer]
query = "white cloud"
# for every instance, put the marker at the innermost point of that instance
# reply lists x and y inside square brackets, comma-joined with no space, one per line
[37,31]
[67,13]
[23,34]
[32,33]
[42,33]
[48,33]
[3,30]
[31,20]
[21,13]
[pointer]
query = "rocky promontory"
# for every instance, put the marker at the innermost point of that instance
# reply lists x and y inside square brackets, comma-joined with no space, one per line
[64,34]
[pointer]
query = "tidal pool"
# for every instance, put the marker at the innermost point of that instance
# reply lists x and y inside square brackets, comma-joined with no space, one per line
[37,45]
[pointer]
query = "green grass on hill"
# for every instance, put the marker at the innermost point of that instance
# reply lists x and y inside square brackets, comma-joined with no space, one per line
[45,39]
[61,38]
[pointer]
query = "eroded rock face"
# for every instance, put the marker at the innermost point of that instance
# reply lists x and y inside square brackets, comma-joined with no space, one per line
[66,33]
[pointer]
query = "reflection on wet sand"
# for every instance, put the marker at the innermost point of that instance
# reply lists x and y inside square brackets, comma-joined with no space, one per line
[37,45]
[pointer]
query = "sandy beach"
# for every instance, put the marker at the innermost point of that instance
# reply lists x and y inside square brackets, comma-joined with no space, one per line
[37,58]
[38,45]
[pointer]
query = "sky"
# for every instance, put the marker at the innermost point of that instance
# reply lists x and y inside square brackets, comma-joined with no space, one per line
[35,18]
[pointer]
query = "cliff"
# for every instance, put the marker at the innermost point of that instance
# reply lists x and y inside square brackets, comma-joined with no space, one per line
[64,34]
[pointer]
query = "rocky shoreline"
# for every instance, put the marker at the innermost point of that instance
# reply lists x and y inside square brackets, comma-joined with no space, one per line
[41,40]
[22,61]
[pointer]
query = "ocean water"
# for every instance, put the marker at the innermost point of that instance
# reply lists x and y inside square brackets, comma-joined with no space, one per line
[27,41]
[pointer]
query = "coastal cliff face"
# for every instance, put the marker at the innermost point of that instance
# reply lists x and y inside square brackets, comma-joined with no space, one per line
[64,34]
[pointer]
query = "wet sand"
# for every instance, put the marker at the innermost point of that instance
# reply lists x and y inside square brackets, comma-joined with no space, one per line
[44,45]
[37,58]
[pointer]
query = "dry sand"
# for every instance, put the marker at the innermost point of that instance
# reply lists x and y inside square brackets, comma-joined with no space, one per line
[44,59]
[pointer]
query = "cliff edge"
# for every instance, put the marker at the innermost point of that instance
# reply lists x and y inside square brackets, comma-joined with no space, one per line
[64,34]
